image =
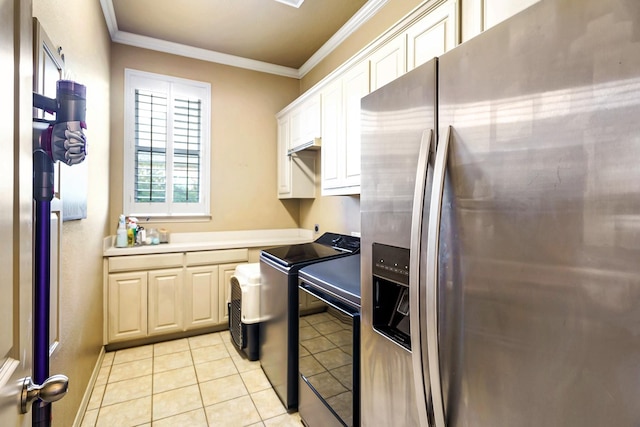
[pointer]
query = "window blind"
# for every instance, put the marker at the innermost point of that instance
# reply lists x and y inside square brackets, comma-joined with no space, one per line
[187,131]
[150,147]
[168,146]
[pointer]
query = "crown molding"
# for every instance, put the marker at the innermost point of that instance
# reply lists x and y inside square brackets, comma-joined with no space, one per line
[202,54]
[292,3]
[363,15]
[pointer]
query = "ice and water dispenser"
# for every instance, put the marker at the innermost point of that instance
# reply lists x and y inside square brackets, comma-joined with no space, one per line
[391,315]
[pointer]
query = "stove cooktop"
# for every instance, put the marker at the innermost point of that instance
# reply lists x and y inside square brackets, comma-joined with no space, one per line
[338,278]
[327,246]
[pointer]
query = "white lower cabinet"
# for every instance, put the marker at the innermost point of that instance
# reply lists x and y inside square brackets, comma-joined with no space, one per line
[307,302]
[127,316]
[152,301]
[201,299]
[165,301]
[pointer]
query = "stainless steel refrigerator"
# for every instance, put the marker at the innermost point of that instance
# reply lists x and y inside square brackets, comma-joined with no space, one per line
[501,227]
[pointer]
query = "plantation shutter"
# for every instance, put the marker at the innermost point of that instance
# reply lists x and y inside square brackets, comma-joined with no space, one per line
[187,130]
[150,147]
[167,149]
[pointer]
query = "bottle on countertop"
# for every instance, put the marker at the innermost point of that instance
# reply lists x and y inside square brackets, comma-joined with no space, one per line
[131,234]
[141,236]
[121,233]
[153,236]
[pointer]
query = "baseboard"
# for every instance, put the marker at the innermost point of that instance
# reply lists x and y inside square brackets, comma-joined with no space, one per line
[87,393]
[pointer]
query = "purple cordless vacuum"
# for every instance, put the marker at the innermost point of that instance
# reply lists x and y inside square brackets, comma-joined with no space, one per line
[63,140]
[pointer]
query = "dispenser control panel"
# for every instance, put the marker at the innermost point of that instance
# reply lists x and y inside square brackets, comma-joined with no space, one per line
[391,314]
[391,263]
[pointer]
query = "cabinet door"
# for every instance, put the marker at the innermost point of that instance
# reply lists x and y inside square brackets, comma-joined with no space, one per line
[127,306]
[201,296]
[388,63]
[305,122]
[313,302]
[302,300]
[479,15]
[332,136]
[296,128]
[341,131]
[283,160]
[165,301]
[355,86]
[225,272]
[296,173]
[432,35]
[308,303]
[312,120]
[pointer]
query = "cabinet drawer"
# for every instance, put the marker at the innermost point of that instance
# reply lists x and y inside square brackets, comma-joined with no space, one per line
[145,262]
[217,257]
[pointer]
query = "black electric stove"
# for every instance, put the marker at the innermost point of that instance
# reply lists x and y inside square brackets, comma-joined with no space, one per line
[329,245]
[278,344]
[329,388]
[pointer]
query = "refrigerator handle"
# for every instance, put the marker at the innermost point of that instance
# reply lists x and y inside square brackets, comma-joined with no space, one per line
[435,213]
[417,337]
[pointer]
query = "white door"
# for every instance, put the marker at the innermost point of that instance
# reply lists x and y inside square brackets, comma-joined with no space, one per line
[15,211]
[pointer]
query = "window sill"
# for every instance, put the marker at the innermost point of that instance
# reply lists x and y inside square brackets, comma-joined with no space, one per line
[150,219]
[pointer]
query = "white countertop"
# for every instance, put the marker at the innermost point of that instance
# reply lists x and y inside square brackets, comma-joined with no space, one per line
[188,242]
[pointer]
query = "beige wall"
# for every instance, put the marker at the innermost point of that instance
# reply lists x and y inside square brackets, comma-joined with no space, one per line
[243,139]
[342,213]
[79,28]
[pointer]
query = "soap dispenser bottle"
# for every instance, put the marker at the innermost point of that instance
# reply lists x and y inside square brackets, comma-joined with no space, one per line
[121,233]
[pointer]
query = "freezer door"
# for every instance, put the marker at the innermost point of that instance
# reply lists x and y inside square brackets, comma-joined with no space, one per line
[395,120]
[539,272]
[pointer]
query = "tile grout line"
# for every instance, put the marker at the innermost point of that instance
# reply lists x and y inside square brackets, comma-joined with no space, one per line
[195,372]
[191,349]
[101,397]
[153,371]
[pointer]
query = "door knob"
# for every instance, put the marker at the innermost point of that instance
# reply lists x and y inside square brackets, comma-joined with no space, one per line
[52,390]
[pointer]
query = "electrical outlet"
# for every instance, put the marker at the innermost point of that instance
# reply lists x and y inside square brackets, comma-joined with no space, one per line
[316,228]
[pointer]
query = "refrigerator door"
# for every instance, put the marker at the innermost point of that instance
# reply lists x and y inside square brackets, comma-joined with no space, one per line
[539,272]
[394,120]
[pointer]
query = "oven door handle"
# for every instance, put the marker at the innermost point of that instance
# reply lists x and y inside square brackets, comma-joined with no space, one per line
[310,290]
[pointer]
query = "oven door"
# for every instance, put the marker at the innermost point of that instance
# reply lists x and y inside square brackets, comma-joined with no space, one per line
[329,361]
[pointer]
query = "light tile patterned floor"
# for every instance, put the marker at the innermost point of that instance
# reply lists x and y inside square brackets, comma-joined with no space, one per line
[197,381]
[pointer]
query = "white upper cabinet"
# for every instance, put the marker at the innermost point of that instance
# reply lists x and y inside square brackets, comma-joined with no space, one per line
[432,35]
[480,15]
[388,62]
[331,110]
[332,136]
[305,123]
[341,131]
[356,85]
[284,161]
[298,138]
[296,172]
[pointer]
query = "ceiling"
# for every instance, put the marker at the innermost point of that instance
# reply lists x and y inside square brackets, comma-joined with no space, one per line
[264,35]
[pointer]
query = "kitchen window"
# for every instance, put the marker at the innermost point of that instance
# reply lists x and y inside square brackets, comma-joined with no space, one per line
[167,146]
